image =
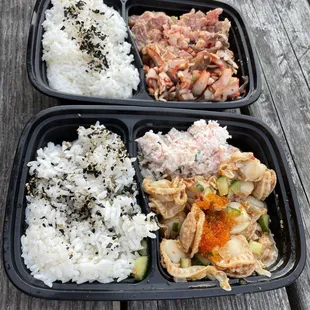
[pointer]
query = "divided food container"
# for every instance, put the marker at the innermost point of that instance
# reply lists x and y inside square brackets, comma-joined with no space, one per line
[60,123]
[239,38]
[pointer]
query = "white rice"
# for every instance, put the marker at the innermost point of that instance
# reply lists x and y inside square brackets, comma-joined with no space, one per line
[71,68]
[197,151]
[84,223]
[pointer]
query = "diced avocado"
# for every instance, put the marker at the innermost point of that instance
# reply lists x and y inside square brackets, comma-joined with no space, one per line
[256,248]
[140,268]
[143,251]
[202,259]
[222,185]
[185,262]
[233,211]
[263,221]
[235,187]
[199,187]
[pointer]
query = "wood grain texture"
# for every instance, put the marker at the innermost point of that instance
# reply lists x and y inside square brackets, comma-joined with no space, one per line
[266,300]
[295,18]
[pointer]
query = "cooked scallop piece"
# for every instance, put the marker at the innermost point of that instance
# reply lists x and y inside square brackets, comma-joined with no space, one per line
[270,251]
[236,259]
[243,166]
[191,230]
[170,257]
[188,230]
[266,185]
[173,250]
[167,210]
[255,208]
[163,187]
[168,198]
[242,220]
[170,228]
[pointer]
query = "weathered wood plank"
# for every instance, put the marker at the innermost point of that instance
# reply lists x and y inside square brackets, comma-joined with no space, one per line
[266,300]
[295,18]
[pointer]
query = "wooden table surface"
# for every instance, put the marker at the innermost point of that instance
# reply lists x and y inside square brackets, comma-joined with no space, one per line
[280,29]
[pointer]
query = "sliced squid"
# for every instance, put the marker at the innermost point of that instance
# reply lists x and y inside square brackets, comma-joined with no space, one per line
[169,258]
[266,185]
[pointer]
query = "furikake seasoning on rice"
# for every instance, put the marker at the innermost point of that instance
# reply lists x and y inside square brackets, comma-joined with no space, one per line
[85,49]
[84,222]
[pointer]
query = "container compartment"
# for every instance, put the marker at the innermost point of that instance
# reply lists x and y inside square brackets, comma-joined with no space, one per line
[247,139]
[36,67]
[60,123]
[56,130]
[239,40]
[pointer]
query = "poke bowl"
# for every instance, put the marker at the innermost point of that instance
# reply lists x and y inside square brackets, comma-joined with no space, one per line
[60,80]
[61,123]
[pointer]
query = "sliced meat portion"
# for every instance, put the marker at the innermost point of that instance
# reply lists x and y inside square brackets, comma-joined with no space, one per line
[187,58]
[147,28]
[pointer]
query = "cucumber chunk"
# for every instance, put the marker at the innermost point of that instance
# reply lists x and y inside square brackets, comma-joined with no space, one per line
[235,187]
[202,259]
[233,211]
[140,268]
[222,185]
[143,251]
[185,262]
[199,187]
[263,221]
[256,247]
[175,227]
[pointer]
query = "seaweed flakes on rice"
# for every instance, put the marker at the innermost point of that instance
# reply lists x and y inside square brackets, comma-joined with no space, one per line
[84,222]
[85,50]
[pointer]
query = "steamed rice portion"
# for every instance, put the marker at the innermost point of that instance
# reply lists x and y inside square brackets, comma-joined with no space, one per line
[197,151]
[84,223]
[85,50]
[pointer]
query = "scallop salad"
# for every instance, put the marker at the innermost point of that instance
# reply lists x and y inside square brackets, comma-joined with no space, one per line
[210,204]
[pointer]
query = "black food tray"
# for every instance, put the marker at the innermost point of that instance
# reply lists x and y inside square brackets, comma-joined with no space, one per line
[60,123]
[239,38]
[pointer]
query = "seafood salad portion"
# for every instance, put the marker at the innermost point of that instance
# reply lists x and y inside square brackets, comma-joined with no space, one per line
[214,223]
[187,58]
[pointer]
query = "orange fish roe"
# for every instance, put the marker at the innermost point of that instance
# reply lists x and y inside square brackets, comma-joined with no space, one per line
[216,231]
[212,201]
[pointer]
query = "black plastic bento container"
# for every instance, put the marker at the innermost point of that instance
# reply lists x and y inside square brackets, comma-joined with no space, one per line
[241,45]
[60,123]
